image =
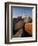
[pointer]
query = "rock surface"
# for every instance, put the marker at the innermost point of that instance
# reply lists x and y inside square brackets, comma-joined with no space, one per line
[28,28]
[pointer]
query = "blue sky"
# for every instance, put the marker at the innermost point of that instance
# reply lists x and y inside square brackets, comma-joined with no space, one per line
[21,11]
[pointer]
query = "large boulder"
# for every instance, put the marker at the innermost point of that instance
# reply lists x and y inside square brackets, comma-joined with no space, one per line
[28,28]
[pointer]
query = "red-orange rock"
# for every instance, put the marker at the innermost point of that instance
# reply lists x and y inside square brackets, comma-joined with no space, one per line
[28,28]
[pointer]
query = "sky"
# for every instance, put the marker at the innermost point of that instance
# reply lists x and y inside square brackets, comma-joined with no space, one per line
[21,11]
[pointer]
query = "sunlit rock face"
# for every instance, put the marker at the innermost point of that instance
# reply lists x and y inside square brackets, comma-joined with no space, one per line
[28,24]
[28,28]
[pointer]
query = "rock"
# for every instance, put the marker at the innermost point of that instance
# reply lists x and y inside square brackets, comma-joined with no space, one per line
[28,28]
[27,19]
[19,25]
[19,33]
